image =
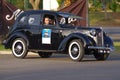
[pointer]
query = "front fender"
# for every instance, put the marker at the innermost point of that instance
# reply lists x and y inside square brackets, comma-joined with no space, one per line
[8,42]
[72,36]
[108,42]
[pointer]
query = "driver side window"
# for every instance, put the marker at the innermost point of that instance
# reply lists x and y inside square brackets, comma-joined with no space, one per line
[49,20]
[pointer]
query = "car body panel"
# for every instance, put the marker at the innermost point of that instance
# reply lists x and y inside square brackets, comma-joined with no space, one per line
[55,38]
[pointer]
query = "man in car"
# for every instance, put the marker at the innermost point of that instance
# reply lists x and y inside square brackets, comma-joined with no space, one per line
[46,21]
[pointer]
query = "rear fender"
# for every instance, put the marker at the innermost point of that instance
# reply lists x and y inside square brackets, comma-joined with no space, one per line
[11,38]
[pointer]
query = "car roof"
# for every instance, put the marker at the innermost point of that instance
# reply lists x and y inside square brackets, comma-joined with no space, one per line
[70,15]
[29,12]
[64,14]
[39,11]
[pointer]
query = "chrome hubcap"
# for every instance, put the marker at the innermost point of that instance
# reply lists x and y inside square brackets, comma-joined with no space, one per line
[18,48]
[75,50]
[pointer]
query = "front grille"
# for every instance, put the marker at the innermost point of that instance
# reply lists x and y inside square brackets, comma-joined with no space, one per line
[100,38]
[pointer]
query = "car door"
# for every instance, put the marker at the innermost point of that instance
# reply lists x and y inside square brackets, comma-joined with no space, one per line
[33,33]
[50,34]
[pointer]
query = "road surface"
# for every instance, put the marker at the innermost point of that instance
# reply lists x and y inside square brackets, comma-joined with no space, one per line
[58,67]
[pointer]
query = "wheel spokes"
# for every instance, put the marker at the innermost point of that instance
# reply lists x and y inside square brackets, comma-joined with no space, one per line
[74,50]
[18,48]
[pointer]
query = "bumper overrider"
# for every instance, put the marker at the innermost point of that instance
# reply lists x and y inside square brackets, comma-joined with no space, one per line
[102,49]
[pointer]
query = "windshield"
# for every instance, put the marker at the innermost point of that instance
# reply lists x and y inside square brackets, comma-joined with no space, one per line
[68,19]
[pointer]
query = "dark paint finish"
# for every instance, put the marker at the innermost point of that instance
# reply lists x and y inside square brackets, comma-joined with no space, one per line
[61,35]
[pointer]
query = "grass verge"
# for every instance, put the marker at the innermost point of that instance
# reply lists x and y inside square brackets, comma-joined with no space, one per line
[2,48]
[117,46]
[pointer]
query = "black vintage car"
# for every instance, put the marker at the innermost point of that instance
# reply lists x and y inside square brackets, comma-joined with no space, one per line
[61,35]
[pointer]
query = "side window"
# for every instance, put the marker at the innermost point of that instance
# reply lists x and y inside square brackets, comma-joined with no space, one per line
[34,20]
[49,19]
[23,20]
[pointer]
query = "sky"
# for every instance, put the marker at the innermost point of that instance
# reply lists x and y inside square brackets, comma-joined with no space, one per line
[50,5]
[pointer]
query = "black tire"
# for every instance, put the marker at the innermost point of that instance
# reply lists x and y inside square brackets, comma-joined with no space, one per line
[76,50]
[19,48]
[45,54]
[101,57]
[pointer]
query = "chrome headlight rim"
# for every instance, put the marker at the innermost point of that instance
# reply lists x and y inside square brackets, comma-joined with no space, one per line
[93,32]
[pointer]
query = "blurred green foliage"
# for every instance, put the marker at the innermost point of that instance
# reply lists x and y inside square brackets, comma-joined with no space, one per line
[23,4]
[96,5]
[17,3]
[60,2]
[100,5]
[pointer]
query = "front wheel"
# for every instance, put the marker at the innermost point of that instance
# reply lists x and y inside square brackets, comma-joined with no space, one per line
[101,57]
[45,54]
[76,50]
[19,48]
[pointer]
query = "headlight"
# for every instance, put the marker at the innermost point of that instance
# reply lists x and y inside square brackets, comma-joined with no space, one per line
[93,32]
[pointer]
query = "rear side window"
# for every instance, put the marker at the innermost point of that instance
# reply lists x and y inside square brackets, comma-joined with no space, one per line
[23,20]
[34,20]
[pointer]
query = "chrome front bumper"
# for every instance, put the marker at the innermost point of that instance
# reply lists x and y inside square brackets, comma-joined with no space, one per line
[102,49]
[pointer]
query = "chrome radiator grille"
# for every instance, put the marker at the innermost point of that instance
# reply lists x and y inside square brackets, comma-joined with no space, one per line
[100,39]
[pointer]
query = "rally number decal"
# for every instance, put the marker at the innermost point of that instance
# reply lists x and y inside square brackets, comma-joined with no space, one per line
[46,36]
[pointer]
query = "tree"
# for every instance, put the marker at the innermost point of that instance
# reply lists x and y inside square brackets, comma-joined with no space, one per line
[35,4]
[26,4]
[65,3]
[60,2]
[114,5]
[105,4]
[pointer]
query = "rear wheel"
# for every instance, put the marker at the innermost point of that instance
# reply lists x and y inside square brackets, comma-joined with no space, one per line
[76,50]
[19,48]
[45,54]
[101,57]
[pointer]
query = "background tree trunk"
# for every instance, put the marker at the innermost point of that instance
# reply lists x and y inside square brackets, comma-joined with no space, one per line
[106,14]
[35,4]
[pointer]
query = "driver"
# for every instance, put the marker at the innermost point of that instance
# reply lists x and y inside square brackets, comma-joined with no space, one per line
[46,21]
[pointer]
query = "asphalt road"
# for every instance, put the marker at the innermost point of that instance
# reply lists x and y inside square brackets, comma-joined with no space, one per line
[113,32]
[58,67]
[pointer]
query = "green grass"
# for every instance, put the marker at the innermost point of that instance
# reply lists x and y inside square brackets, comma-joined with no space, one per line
[116,44]
[2,48]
